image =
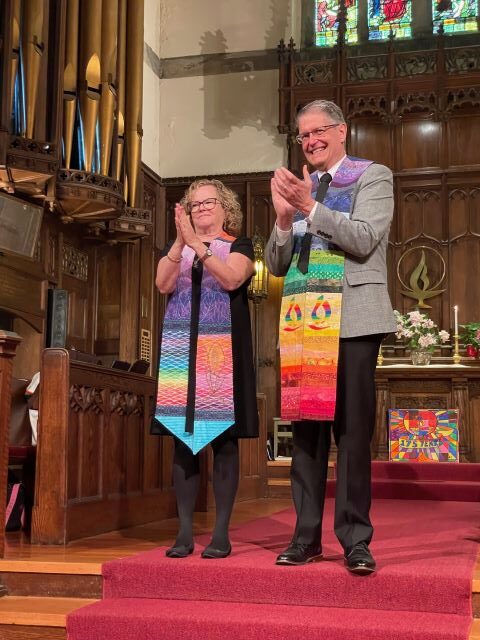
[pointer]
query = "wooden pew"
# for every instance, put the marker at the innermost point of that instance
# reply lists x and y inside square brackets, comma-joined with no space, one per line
[8,346]
[98,468]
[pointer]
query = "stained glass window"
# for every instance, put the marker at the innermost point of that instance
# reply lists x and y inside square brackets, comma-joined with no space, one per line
[326,22]
[456,15]
[386,16]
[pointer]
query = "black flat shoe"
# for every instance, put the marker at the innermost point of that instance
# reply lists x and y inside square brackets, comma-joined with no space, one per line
[298,553]
[360,561]
[180,551]
[210,552]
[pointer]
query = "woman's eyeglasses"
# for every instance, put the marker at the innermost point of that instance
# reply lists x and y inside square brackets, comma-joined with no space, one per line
[208,205]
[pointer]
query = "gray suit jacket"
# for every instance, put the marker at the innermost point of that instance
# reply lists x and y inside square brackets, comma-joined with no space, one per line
[366,307]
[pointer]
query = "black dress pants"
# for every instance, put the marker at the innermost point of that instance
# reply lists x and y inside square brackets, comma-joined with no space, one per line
[353,430]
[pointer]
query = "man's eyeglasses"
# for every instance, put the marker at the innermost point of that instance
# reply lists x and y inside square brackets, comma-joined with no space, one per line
[208,205]
[316,133]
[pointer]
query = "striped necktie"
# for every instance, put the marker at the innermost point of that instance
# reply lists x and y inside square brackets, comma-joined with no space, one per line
[304,254]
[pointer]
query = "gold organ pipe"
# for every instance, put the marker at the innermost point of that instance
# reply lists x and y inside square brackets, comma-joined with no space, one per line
[16,18]
[133,112]
[89,73]
[108,66]
[32,51]
[121,64]
[70,75]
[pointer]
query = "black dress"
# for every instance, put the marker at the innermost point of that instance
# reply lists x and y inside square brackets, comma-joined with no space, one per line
[244,392]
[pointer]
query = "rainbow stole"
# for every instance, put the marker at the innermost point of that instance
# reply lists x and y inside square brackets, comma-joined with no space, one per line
[209,355]
[311,311]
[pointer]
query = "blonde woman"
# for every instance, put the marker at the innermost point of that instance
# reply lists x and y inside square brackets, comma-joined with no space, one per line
[206,382]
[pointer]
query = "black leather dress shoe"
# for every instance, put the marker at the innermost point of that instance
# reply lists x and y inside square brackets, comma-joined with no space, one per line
[359,560]
[179,551]
[298,553]
[212,553]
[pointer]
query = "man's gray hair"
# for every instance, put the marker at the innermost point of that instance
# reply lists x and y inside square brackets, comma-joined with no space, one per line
[322,106]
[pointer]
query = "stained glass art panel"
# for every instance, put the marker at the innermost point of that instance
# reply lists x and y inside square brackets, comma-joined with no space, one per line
[389,16]
[458,16]
[326,22]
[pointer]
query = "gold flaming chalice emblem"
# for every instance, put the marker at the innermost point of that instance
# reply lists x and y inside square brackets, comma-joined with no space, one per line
[420,288]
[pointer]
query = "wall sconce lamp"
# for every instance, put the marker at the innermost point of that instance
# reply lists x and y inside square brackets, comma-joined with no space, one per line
[257,291]
[258,288]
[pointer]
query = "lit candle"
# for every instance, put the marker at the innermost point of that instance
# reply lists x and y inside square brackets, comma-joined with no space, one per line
[455,319]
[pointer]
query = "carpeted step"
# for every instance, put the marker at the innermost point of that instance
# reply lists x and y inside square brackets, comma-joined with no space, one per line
[427,471]
[125,619]
[252,577]
[425,553]
[410,489]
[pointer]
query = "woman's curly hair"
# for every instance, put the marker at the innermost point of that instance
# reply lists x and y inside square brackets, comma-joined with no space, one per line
[228,199]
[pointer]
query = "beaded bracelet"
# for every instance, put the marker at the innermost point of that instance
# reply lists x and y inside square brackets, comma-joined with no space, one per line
[176,260]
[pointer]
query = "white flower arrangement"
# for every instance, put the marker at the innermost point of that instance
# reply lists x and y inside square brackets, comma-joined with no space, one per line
[419,330]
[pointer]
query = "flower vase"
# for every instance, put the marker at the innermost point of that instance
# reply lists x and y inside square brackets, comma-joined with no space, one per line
[420,356]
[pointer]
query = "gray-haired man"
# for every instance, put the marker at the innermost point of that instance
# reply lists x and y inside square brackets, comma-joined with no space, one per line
[330,241]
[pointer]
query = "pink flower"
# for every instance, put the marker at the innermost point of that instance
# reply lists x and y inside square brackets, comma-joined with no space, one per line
[427,340]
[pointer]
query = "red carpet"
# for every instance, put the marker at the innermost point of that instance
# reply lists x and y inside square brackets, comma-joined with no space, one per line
[425,552]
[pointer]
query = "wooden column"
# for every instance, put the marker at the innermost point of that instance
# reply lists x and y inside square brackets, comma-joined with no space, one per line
[8,346]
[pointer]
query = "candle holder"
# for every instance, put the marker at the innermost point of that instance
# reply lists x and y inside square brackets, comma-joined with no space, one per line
[456,352]
[380,357]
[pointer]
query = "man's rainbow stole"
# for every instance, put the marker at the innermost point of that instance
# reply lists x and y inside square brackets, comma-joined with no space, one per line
[195,376]
[311,311]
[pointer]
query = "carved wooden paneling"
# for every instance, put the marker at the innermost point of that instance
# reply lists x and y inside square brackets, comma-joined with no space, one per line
[107,338]
[464,244]
[380,437]
[403,385]
[474,419]
[463,131]
[418,143]
[474,391]
[367,68]
[78,326]
[420,214]
[75,262]
[465,97]
[462,60]
[315,72]
[416,63]
[50,259]
[85,442]
[130,290]
[370,137]
[99,469]
[420,401]
[460,399]
[420,224]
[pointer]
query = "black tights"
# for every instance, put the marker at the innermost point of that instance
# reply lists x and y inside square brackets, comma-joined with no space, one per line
[186,481]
